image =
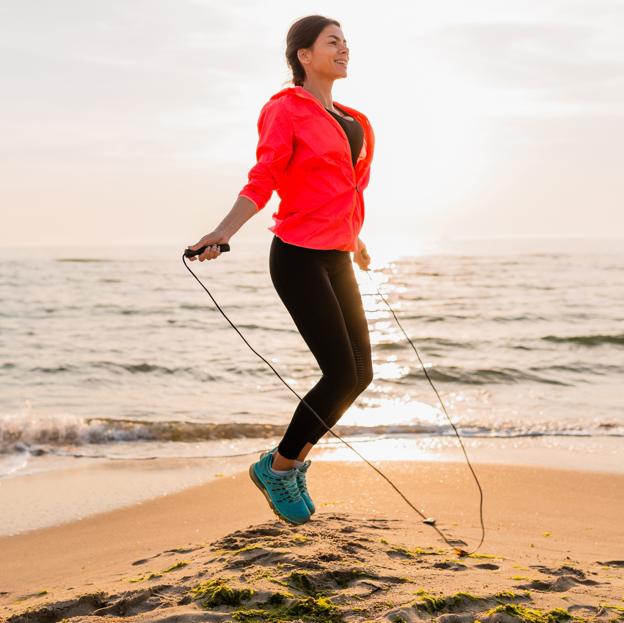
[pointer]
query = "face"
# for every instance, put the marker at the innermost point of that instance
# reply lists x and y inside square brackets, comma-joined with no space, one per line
[329,55]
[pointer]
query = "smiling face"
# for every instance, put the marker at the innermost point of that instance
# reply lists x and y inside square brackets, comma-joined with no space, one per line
[328,57]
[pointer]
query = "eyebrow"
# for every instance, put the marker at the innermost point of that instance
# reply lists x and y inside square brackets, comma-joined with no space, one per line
[337,37]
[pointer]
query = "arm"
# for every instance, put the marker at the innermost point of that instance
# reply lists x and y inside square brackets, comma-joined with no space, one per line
[242,210]
[275,146]
[273,153]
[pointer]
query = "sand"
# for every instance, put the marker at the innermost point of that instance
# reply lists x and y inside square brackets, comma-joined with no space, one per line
[553,551]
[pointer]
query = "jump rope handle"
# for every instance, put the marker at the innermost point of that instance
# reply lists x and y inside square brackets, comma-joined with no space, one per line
[223,247]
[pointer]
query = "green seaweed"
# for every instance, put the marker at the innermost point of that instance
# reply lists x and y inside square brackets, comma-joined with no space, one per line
[484,556]
[217,592]
[415,551]
[177,565]
[505,595]
[531,615]
[618,609]
[279,598]
[301,581]
[433,604]
[343,577]
[319,609]
[246,548]
[145,577]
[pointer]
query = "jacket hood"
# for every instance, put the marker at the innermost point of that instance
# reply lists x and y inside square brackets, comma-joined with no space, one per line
[298,91]
[291,91]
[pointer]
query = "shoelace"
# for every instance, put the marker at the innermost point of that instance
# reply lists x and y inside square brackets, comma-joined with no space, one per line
[286,486]
[301,477]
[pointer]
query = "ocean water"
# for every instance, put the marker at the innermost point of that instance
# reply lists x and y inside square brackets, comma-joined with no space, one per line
[118,352]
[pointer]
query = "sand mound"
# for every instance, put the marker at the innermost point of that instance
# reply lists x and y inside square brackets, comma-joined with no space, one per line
[338,568]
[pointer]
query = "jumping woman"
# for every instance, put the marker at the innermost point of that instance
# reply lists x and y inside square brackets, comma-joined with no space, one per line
[317,154]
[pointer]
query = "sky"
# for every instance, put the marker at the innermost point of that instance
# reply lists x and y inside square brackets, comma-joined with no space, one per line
[134,121]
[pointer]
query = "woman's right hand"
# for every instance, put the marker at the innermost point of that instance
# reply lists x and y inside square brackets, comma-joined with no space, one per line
[209,241]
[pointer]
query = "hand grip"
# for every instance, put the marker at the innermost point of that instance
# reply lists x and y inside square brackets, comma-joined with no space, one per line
[223,247]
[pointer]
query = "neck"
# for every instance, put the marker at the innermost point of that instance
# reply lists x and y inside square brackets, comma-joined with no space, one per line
[321,89]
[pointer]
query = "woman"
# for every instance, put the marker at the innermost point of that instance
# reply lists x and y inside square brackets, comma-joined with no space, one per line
[317,155]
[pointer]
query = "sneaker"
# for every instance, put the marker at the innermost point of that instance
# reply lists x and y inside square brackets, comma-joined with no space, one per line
[303,489]
[301,480]
[280,490]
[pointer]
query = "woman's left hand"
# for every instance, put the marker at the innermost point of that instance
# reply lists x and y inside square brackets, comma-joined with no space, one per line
[361,256]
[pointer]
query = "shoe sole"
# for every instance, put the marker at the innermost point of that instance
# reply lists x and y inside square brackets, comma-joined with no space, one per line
[265,493]
[311,511]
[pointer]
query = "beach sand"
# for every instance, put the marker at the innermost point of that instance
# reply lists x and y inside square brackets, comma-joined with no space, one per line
[553,551]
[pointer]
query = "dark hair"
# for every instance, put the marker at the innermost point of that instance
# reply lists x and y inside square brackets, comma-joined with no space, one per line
[302,34]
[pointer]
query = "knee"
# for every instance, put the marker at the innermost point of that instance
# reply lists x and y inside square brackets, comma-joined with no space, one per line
[343,382]
[364,379]
[368,377]
[351,381]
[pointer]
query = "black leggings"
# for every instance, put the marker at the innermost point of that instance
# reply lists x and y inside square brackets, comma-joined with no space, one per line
[319,289]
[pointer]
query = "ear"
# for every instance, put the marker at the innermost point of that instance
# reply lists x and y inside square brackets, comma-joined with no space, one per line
[303,55]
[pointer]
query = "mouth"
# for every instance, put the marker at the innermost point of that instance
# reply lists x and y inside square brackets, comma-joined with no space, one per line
[342,63]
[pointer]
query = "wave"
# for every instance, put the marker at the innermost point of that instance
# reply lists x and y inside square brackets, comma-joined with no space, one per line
[41,435]
[587,340]
[430,342]
[480,376]
[132,368]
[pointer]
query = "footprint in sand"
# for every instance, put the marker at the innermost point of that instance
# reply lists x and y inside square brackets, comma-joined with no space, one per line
[611,563]
[563,570]
[142,561]
[453,566]
[562,583]
[585,609]
[182,550]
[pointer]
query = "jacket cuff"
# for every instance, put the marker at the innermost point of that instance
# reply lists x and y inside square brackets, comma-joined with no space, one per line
[253,198]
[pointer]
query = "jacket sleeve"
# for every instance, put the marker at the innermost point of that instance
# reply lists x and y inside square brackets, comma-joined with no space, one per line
[275,147]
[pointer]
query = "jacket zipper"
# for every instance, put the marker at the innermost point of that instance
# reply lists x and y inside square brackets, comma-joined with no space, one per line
[344,137]
[346,140]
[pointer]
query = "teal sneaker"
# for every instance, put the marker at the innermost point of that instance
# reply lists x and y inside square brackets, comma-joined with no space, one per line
[280,490]
[301,480]
[303,489]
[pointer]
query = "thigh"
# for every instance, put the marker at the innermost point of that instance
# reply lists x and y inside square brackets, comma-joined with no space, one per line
[347,292]
[302,282]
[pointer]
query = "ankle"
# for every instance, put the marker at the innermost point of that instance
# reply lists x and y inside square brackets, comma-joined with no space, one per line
[281,463]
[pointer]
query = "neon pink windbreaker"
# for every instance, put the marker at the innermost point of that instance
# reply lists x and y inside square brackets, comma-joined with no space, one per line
[304,154]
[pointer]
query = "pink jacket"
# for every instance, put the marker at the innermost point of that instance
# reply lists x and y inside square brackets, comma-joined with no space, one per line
[304,154]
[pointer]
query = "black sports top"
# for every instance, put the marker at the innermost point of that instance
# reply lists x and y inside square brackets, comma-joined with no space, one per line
[353,130]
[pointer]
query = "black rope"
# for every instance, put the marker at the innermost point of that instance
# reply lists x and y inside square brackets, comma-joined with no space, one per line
[426,520]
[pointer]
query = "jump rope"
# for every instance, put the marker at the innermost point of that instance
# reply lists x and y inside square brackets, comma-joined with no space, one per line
[224,247]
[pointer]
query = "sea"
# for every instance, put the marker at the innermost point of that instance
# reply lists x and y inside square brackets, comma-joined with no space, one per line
[118,353]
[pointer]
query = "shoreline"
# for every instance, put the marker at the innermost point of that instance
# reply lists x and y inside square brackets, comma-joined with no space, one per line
[29,500]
